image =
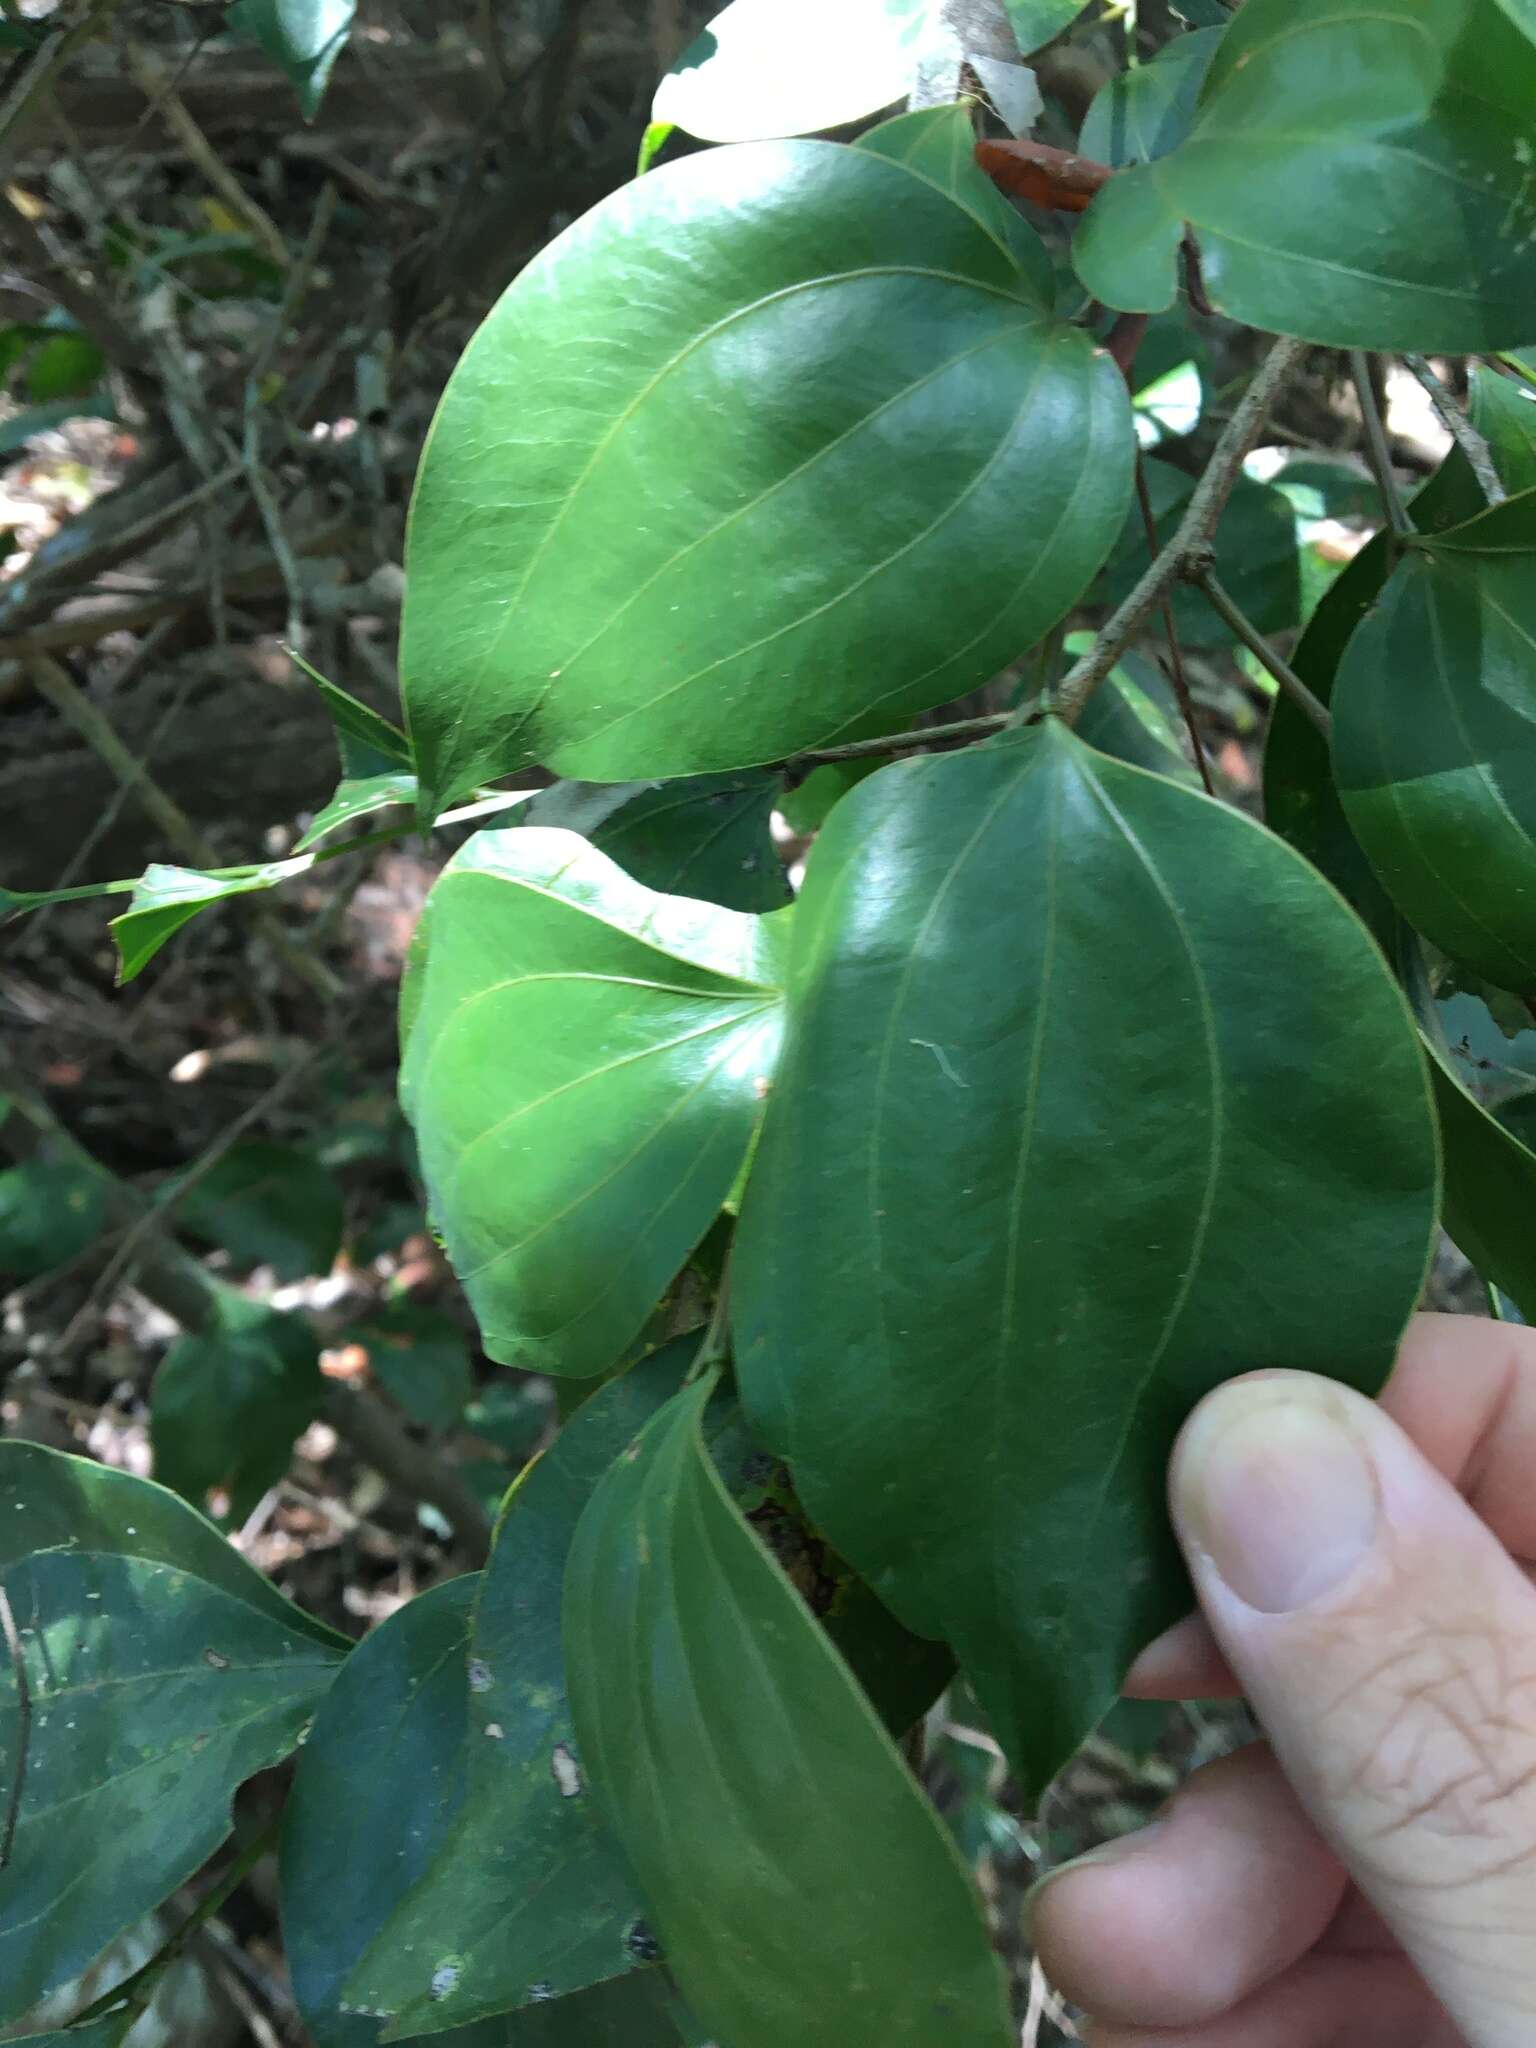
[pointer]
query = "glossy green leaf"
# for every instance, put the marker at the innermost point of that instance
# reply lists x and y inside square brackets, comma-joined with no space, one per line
[1023,1172]
[267,1204]
[163,1672]
[1257,557]
[302,37]
[165,898]
[583,1062]
[228,1403]
[805,808]
[50,1211]
[850,421]
[420,1357]
[938,144]
[1133,715]
[1145,113]
[765,68]
[706,835]
[1360,172]
[1434,742]
[711,1716]
[1038,22]
[528,1893]
[360,799]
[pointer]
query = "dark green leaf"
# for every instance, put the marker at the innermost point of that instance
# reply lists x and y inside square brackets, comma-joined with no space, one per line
[1038,22]
[583,1062]
[1133,715]
[228,1403]
[268,1205]
[805,808]
[1145,113]
[63,366]
[766,68]
[50,1210]
[705,836]
[163,1671]
[711,1715]
[105,2033]
[165,898]
[1044,1113]
[1434,732]
[420,1356]
[1358,173]
[1256,555]
[24,427]
[512,1414]
[302,37]
[369,744]
[926,444]
[529,1893]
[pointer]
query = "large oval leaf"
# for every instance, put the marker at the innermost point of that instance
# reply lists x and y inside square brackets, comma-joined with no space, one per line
[713,1717]
[163,1673]
[1360,172]
[706,835]
[726,464]
[584,1062]
[1434,742]
[1070,1052]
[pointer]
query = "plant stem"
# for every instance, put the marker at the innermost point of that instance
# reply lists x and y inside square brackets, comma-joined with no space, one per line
[1461,430]
[1189,550]
[1377,451]
[1259,647]
[1171,632]
[18,1662]
[896,742]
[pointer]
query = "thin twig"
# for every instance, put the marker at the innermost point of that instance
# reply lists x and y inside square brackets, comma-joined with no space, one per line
[898,742]
[162,95]
[1191,544]
[1461,430]
[1378,452]
[1239,622]
[1175,652]
[14,1651]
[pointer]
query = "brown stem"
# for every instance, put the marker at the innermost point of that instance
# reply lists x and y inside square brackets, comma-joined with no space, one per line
[1175,652]
[14,1651]
[1313,707]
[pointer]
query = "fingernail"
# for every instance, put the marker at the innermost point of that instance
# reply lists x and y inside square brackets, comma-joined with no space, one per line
[1117,1851]
[1273,1486]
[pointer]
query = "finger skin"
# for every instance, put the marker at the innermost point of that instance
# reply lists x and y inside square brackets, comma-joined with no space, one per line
[1399,1691]
[1183,1921]
[1464,1389]
[1325,2002]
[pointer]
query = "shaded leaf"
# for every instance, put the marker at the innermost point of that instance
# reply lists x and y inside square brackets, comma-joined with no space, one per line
[1133,714]
[163,1671]
[105,2033]
[583,1062]
[1145,113]
[711,1715]
[63,366]
[24,427]
[1357,173]
[419,1355]
[1008,1214]
[368,743]
[706,835]
[227,1404]
[302,37]
[528,1891]
[1434,741]
[50,1211]
[1257,557]
[268,1204]
[925,443]
[766,68]
[165,898]
[1038,22]
[805,808]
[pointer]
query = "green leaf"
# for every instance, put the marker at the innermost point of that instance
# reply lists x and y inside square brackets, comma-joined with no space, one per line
[105,2033]
[766,68]
[528,1892]
[712,1715]
[268,1204]
[1145,113]
[706,835]
[359,799]
[165,898]
[938,144]
[227,1405]
[50,1211]
[1256,556]
[1133,715]
[1504,412]
[420,1357]
[583,1062]
[63,366]
[368,743]
[163,1672]
[926,444]
[1434,731]
[1038,22]
[655,139]
[22,428]
[806,807]
[1360,172]
[302,37]
[1032,1147]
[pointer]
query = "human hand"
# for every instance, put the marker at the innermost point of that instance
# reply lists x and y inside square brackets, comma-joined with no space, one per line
[1367,1878]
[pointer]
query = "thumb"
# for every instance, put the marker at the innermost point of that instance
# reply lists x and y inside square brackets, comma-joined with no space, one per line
[1388,1645]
